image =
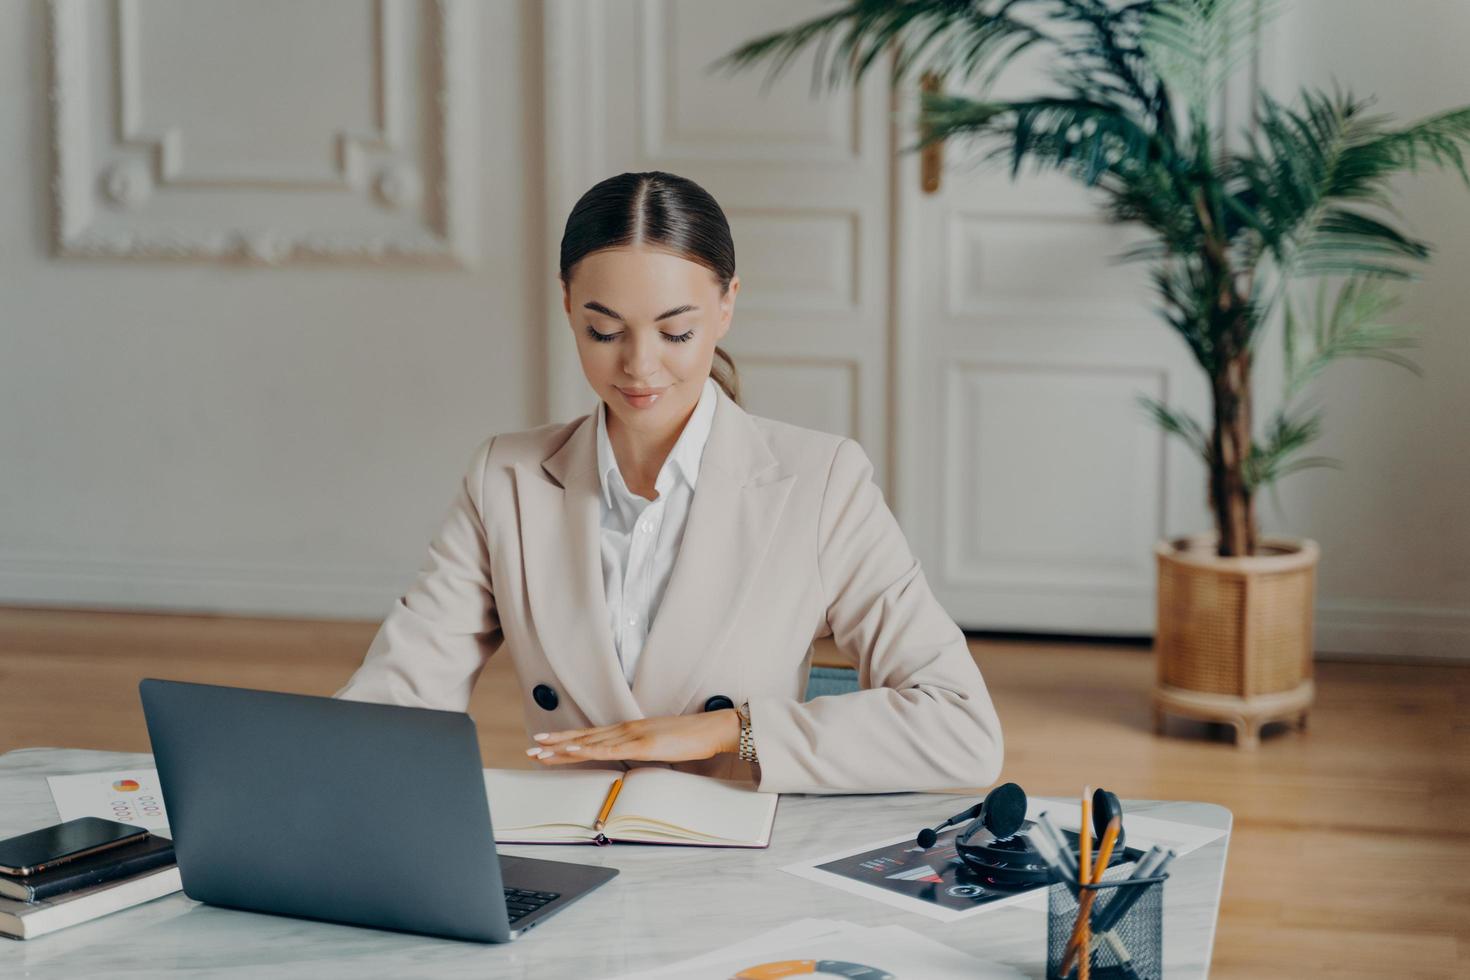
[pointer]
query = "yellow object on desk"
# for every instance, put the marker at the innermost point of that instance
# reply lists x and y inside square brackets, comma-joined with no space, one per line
[1084,847]
[612,796]
[1082,932]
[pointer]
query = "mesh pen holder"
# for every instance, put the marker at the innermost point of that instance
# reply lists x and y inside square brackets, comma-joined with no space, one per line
[1130,948]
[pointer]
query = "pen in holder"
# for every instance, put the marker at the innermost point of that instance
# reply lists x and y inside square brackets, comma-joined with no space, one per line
[1127,927]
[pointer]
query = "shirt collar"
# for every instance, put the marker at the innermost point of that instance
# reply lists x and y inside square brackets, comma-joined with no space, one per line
[685,456]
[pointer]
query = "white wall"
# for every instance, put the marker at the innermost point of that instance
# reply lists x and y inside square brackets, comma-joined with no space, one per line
[189,434]
[283,440]
[1394,523]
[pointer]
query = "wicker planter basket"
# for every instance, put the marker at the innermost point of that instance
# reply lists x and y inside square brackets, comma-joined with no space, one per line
[1234,635]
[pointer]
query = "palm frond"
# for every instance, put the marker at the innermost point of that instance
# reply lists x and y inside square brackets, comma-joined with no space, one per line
[1190,290]
[1196,45]
[1297,161]
[1306,163]
[1439,139]
[1146,251]
[1178,423]
[1079,136]
[961,40]
[1176,283]
[1286,435]
[1354,325]
[1291,190]
[1157,192]
[1101,56]
[1349,243]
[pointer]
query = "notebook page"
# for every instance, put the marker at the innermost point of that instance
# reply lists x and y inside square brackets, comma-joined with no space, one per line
[723,808]
[528,798]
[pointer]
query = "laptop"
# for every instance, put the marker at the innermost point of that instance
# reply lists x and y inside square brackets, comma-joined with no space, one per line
[343,811]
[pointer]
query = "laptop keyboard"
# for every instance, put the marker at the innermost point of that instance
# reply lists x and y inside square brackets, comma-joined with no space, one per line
[520,901]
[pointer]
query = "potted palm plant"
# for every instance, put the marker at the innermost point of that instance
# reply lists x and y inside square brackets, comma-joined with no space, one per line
[1232,239]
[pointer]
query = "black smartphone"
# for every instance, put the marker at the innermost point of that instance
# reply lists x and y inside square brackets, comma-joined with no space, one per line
[63,842]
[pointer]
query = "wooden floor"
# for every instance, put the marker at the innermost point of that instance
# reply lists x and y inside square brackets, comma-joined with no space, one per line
[1351,852]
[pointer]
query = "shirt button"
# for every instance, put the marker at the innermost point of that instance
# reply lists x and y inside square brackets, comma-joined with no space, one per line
[645,526]
[632,620]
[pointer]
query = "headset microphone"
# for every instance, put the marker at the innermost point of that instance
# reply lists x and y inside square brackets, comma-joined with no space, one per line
[928,836]
[1001,812]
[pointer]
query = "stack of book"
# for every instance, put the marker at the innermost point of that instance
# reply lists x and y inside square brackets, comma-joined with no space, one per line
[87,888]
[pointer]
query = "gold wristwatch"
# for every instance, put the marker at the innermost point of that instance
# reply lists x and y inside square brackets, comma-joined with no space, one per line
[747,742]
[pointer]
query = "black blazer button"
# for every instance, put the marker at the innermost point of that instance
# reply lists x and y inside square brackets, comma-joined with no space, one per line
[545,696]
[718,703]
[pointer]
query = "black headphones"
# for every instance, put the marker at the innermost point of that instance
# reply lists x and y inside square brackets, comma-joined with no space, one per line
[997,842]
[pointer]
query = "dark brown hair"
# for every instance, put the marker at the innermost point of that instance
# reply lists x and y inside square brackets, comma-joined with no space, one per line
[664,211]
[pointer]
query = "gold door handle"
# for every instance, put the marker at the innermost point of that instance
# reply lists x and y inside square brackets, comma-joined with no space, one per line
[931,157]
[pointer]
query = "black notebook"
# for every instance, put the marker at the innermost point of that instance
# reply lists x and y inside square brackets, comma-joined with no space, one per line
[116,862]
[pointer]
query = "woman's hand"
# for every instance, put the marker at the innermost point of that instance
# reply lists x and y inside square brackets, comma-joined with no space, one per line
[673,738]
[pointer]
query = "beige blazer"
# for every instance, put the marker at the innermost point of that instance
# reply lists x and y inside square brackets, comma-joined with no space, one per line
[788,539]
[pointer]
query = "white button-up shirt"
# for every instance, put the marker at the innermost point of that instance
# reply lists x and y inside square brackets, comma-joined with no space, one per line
[640,537]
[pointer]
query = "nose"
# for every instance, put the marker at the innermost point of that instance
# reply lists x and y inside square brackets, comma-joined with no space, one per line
[640,359]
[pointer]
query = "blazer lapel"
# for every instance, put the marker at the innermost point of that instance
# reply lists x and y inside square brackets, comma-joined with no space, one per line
[561,546]
[736,507]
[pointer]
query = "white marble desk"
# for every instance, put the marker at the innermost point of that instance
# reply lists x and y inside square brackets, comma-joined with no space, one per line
[667,903]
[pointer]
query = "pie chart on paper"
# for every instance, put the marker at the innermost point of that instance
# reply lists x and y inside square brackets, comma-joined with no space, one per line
[797,968]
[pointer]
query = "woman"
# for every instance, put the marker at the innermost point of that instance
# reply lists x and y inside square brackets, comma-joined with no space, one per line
[658,568]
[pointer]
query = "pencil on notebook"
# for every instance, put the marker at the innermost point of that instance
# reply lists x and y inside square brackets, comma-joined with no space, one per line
[607,804]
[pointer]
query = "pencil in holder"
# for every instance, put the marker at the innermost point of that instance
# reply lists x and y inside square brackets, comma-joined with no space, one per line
[1127,928]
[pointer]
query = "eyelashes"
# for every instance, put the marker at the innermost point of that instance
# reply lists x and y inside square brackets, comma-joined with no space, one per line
[607,338]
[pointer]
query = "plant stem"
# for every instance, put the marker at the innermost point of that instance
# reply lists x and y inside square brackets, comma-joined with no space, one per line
[1230,447]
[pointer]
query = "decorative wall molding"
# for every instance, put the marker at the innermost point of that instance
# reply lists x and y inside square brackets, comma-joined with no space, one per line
[1004,263]
[398,192]
[841,377]
[777,250]
[1081,564]
[839,143]
[574,86]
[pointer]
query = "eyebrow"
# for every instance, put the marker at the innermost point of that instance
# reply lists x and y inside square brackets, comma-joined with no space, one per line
[599,308]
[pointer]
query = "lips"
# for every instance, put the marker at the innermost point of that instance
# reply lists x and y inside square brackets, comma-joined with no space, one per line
[642,397]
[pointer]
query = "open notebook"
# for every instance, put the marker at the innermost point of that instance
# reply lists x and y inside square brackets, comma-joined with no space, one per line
[655,806]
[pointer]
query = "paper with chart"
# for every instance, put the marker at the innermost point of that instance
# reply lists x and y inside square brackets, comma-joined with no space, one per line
[828,946]
[130,796]
[936,882]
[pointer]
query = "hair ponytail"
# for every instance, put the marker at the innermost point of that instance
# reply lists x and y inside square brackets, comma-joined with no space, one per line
[728,378]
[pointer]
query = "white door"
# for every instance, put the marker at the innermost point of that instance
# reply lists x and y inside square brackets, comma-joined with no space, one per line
[1030,483]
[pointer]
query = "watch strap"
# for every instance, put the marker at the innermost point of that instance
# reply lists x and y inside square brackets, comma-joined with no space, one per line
[747,740]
